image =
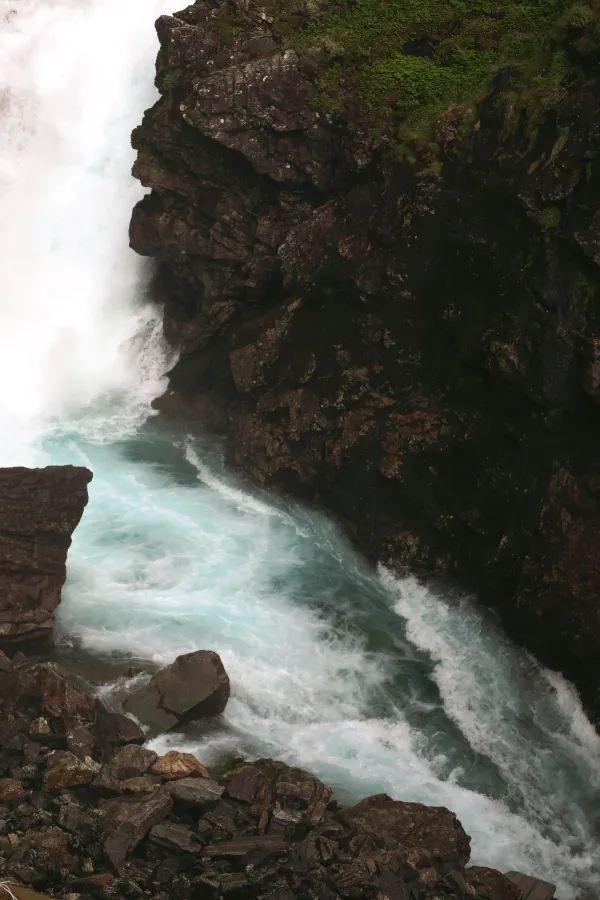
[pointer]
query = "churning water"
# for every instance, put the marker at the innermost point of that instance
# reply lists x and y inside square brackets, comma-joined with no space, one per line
[372,682]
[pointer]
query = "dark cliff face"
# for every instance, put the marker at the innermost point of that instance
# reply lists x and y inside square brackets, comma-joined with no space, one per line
[39,510]
[415,344]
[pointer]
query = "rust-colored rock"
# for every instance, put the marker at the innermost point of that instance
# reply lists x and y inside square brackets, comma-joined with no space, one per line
[39,510]
[11,790]
[69,771]
[175,765]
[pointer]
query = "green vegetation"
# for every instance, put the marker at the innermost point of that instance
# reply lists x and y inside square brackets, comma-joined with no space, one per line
[399,65]
[549,218]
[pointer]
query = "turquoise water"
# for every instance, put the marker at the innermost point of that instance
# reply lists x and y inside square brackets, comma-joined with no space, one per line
[372,682]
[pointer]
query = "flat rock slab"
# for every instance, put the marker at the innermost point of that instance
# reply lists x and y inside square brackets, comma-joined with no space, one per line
[175,837]
[196,791]
[532,888]
[264,844]
[194,687]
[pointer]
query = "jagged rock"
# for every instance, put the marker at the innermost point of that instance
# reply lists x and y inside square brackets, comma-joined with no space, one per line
[61,697]
[531,888]
[175,836]
[48,850]
[251,785]
[68,771]
[195,686]
[412,825]
[80,740]
[490,883]
[290,793]
[129,821]
[39,510]
[78,820]
[175,765]
[113,729]
[131,761]
[126,773]
[40,730]
[196,791]
[327,299]
[248,847]
[305,794]
[391,887]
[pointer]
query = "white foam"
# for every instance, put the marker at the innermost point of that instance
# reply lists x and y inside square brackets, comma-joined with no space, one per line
[528,721]
[162,566]
[164,563]
[242,500]
[75,79]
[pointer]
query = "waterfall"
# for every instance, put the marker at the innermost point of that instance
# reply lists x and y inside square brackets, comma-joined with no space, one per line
[373,683]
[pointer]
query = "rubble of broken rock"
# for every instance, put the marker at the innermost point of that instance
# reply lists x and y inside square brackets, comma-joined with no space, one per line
[86,811]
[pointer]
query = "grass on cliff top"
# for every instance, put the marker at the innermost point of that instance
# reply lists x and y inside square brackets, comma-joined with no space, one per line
[397,65]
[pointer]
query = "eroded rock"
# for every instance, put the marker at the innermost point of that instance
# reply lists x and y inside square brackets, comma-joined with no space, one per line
[39,510]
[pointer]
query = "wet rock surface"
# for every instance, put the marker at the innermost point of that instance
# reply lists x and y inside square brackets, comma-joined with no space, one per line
[413,344]
[195,686]
[39,510]
[264,830]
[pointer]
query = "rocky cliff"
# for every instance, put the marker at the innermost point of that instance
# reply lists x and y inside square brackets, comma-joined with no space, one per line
[396,315]
[39,509]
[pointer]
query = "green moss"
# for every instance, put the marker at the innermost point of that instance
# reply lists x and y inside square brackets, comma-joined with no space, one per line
[397,64]
[170,79]
[549,218]
[580,16]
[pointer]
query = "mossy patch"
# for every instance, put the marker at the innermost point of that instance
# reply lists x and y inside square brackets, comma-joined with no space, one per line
[549,218]
[395,65]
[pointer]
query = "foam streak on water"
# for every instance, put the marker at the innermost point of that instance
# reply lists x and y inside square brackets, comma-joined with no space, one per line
[374,683]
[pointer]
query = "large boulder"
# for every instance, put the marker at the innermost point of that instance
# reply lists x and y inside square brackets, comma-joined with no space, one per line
[195,686]
[412,825]
[39,509]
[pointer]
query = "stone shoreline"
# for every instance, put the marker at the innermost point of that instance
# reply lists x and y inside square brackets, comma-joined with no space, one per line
[86,811]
